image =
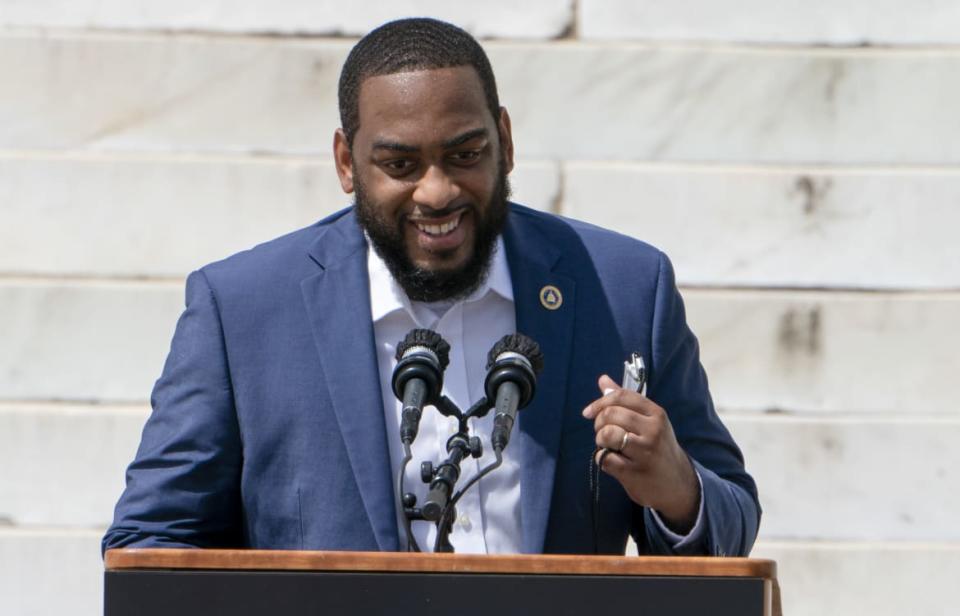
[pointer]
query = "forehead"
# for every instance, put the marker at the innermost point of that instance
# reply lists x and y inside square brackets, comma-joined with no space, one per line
[422,105]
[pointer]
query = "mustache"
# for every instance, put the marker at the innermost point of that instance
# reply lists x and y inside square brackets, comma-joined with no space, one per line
[430,213]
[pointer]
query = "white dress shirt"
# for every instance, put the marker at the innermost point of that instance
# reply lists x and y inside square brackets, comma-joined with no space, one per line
[488,519]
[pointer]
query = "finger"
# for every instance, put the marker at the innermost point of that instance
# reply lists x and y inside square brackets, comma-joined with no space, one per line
[607,385]
[611,437]
[628,419]
[630,446]
[625,398]
[615,465]
[602,454]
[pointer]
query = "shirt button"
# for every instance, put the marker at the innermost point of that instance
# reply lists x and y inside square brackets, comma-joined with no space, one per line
[464,521]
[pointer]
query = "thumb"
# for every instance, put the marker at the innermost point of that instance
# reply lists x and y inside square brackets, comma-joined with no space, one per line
[607,384]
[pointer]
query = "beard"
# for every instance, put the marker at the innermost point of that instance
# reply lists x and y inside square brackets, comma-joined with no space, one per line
[433,285]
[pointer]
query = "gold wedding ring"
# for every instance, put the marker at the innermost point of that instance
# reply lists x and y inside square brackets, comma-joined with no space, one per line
[623,443]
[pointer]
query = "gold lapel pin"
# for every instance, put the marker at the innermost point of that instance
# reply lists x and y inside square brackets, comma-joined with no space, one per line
[550,297]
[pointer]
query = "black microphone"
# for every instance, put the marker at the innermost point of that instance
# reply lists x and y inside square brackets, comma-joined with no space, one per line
[512,368]
[422,356]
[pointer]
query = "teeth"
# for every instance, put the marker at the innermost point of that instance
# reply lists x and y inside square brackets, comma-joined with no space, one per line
[443,229]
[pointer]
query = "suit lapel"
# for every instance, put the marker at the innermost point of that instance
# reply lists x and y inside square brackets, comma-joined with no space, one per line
[532,259]
[338,303]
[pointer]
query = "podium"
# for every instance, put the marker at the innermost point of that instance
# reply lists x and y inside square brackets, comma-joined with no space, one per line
[151,582]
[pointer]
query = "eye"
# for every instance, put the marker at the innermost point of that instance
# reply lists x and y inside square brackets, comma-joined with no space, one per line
[466,157]
[398,166]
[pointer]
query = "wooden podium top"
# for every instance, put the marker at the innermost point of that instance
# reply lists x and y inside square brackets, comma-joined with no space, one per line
[176,560]
[153,558]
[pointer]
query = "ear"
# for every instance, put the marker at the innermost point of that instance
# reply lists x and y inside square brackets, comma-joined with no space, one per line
[343,160]
[506,139]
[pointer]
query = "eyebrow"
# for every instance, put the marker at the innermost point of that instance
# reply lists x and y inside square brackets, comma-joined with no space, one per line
[382,144]
[464,137]
[396,146]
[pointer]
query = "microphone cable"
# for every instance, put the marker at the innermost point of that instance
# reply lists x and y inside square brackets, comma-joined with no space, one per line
[408,526]
[417,381]
[593,480]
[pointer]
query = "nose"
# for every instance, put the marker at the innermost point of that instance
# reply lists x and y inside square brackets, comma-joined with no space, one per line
[435,189]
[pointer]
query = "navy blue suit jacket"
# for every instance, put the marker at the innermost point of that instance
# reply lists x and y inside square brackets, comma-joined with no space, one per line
[267,428]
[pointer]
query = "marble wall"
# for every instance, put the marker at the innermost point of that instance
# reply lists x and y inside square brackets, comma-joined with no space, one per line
[800,162]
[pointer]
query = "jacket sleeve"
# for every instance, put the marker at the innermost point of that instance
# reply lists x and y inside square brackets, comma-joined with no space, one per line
[182,489]
[678,384]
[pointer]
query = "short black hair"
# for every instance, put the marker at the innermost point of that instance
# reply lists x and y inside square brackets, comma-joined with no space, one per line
[407,45]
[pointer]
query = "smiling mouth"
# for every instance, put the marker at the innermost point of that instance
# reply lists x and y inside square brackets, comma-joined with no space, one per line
[438,229]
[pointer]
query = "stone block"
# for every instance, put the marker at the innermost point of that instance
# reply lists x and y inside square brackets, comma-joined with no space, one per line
[77,455]
[828,352]
[536,184]
[100,91]
[50,571]
[872,229]
[568,101]
[146,216]
[84,341]
[731,105]
[820,477]
[534,19]
[764,351]
[880,579]
[150,216]
[843,22]
[852,478]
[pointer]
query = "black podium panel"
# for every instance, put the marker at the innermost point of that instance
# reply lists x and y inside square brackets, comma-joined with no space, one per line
[313,593]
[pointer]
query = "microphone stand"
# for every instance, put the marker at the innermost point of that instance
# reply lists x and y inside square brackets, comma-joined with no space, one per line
[442,479]
[450,511]
[459,446]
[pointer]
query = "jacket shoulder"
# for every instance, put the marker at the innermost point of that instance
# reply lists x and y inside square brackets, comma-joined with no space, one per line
[607,249]
[282,259]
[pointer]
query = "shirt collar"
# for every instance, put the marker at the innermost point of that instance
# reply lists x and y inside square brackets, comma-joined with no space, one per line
[386,296]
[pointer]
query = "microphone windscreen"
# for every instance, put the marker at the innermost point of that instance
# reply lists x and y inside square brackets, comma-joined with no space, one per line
[520,344]
[426,338]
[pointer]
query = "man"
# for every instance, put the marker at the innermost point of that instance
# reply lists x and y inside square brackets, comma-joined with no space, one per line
[274,424]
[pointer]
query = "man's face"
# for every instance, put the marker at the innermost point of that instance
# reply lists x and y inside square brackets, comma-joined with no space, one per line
[428,166]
